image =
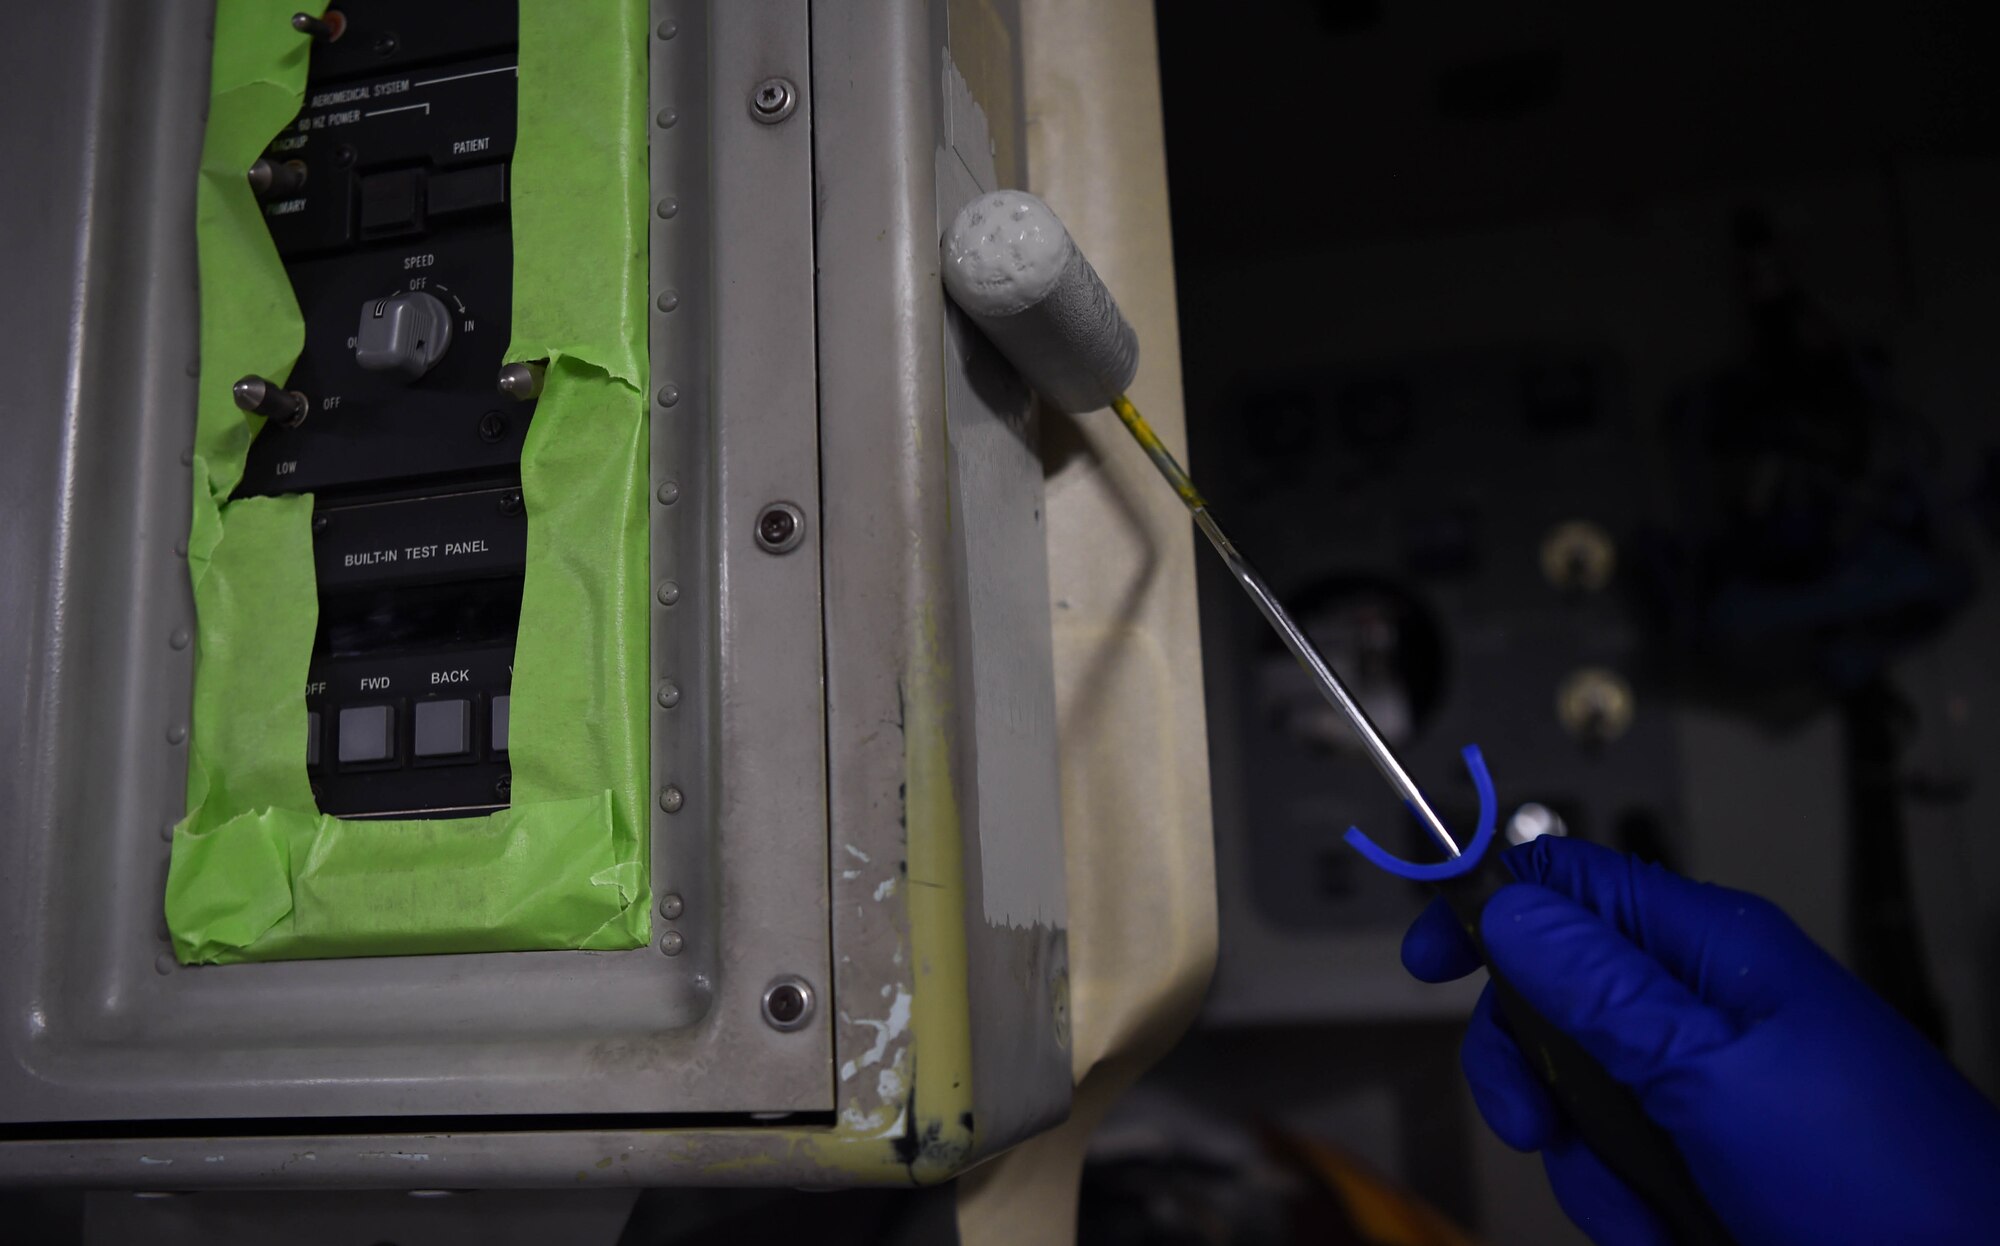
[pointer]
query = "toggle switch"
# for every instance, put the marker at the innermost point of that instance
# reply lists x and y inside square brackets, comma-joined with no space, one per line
[405,333]
[276,179]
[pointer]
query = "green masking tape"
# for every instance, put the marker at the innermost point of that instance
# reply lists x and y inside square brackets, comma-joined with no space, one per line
[257,873]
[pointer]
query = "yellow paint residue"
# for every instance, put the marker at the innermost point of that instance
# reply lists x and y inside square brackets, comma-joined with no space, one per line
[940,1010]
[919,1128]
[1157,451]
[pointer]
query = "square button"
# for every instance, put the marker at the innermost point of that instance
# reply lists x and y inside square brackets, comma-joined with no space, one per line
[392,203]
[367,733]
[312,738]
[500,722]
[467,190]
[443,728]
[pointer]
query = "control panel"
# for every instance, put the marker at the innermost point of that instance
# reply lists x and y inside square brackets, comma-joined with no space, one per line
[387,199]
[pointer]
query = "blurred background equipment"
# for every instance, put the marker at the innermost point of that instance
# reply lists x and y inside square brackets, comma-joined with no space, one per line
[1625,407]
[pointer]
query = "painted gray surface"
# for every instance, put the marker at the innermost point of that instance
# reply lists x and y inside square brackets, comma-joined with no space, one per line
[768,796]
[1017,909]
[99,1022]
[900,549]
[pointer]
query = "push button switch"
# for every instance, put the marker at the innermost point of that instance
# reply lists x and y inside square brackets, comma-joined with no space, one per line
[443,728]
[312,739]
[391,204]
[367,733]
[500,706]
[468,190]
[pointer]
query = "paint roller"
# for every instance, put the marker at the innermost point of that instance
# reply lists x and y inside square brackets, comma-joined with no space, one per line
[1011,266]
[1014,270]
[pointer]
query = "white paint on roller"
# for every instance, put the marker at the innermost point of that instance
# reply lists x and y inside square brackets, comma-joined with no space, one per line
[1011,266]
[1004,253]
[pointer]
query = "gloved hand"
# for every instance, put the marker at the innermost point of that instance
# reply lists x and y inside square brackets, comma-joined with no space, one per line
[1808,1111]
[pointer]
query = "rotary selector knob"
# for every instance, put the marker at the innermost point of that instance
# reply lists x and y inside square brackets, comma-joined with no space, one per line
[404,333]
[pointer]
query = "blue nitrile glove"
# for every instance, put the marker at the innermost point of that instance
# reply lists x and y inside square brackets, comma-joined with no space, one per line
[1808,1111]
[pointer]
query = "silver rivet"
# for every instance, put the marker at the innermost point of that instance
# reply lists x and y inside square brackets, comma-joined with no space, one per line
[668,207]
[671,907]
[665,118]
[773,100]
[668,300]
[670,492]
[668,30]
[670,694]
[177,734]
[670,592]
[163,963]
[671,799]
[671,943]
[669,394]
[788,1004]
[179,638]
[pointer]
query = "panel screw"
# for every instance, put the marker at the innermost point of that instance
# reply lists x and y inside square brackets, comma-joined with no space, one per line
[671,907]
[671,799]
[665,118]
[669,593]
[510,502]
[670,694]
[503,787]
[384,44]
[344,155]
[668,29]
[773,100]
[167,832]
[668,300]
[788,1004]
[177,734]
[671,943]
[668,208]
[181,549]
[669,395]
[780,527]
[670,492]
[492,426]
[179,638]
[320,524]
[163,964]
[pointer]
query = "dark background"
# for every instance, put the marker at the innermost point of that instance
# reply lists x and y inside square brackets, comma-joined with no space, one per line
[1719,282]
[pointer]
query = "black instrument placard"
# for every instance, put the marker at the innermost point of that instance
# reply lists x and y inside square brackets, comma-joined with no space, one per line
[393,186]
